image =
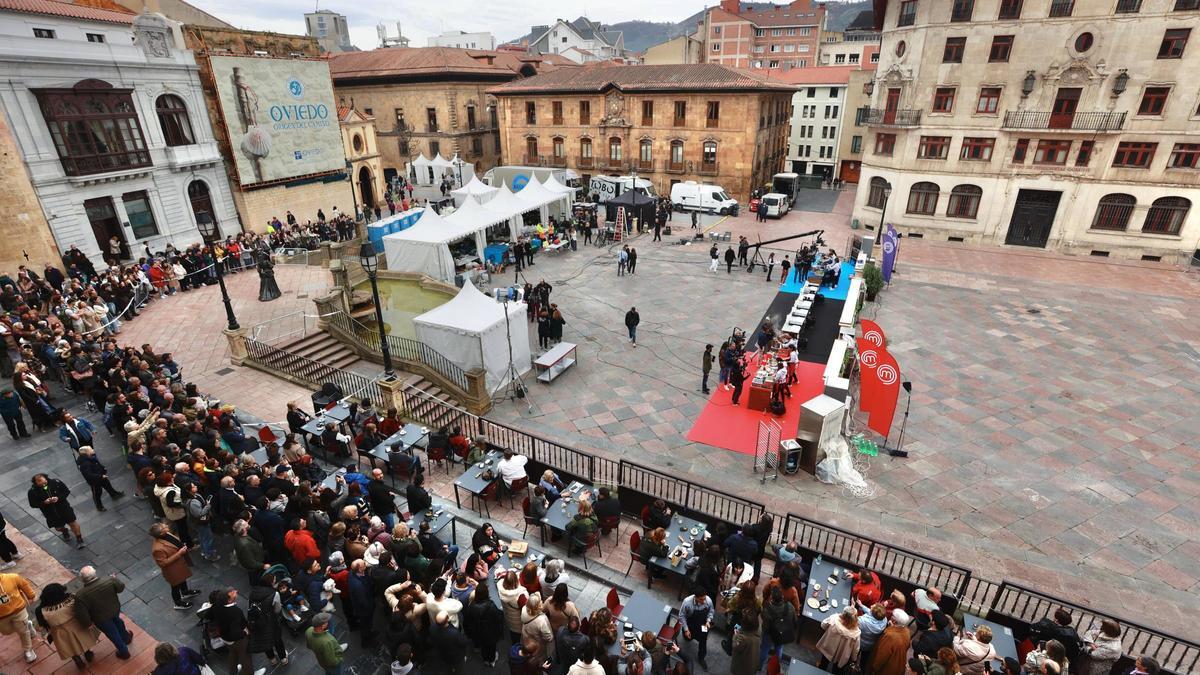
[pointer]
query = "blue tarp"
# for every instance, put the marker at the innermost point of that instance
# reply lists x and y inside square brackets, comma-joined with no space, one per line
[391,224]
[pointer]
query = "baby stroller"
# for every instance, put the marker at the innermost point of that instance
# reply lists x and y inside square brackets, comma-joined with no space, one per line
[296,612]
[210,635]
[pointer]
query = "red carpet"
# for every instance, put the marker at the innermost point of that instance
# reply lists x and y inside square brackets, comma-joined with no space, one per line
[735,428]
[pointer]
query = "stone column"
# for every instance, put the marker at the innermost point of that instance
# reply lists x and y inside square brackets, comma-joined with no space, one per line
[393,395]
[238,351]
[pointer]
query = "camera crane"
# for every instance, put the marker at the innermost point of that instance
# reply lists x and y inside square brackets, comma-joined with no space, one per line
[757,259]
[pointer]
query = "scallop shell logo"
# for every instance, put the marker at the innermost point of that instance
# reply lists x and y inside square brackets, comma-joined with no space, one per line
[887,374]
[257,142]
[869,358]
[295,88]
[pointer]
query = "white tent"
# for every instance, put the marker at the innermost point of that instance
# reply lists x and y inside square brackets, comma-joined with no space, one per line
[551,183]
[424,247]
[511,206]
[471,331]
[464,172]
[421,171]
[538,196]
[475,190]
[472,215]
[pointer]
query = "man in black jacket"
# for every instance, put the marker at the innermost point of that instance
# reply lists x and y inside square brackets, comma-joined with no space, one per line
[234,629]
[417,496]
[50,495]
[1059,628]
[448,642]
[730,257]
[632,319]
[381,498]
[96,476]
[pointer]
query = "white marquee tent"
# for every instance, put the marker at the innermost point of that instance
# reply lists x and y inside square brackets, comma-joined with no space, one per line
[540,197]
[471,331]
[510,207]
[429,172]
[475,189]
[424,247]
[551,183]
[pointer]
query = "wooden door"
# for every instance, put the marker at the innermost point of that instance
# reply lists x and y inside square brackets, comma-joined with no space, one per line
[892,105]
[1062,116]
[1033,218]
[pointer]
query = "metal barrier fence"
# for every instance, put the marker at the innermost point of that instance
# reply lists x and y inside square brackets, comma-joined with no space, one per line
[402,348]
[1006,602]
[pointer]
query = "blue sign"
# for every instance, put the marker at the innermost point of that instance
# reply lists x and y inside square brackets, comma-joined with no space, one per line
[519,181]
[295,88]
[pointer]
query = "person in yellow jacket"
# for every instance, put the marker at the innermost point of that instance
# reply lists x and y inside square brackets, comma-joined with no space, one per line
[15,592]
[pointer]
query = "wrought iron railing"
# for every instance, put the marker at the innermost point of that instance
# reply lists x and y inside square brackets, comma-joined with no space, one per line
[1080,121]
[880,117]
[311,371]
[403,349]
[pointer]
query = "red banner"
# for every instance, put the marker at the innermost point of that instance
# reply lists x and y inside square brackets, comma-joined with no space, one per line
[883,392]
[873,333]
[868,359]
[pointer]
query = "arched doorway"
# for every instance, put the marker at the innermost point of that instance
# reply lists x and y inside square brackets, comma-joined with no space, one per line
[201,201]
[366,188]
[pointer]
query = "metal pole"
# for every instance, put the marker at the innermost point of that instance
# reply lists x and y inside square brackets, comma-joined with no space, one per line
[388,372]
[233,324]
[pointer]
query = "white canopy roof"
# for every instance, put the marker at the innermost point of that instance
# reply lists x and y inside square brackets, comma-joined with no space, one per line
[474,216]
[551,183]
[475,187]
[535,194]
[440,162]
[507,203]
[420,160]
[470,310]
[431,227]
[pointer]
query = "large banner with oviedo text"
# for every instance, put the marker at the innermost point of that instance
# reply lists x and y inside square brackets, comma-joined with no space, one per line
[879,388]
[280,117]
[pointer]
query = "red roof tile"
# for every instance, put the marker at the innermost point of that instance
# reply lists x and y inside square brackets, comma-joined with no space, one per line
[679,77]
[69,10]
[810,75]
[423,61]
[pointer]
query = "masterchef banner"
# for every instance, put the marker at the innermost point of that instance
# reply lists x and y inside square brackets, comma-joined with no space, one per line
[280,117]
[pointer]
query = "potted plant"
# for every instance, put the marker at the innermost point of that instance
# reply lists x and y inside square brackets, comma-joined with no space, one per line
[873,280]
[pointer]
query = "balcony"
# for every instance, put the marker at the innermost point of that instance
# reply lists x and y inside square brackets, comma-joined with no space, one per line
[879,117]
[534,160]
[676,167]
[645,165]
[558,160]
[586,162]
[616,163]
[709,168]
[1049,121]
[187,157]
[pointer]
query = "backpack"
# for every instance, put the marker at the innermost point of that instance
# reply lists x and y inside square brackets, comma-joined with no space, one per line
[781,625]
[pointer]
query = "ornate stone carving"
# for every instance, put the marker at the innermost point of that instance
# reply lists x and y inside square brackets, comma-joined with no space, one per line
[614,108]
[153,33]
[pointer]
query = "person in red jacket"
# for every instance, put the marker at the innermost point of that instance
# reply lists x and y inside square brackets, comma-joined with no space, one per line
[867,589]
[300,543]
[390,424]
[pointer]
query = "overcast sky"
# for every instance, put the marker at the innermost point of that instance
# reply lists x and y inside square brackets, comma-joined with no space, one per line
[420,20]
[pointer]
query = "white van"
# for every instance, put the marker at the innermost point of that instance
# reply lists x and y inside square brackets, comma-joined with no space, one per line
[773,204]
[690,195]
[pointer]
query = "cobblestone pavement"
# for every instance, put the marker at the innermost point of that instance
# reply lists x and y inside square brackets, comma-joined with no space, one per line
[1053,448]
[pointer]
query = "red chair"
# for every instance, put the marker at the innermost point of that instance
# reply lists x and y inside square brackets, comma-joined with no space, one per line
[530,520]
[592,541]
[635,542]
[266,435]
[519,485]
[613,602]
[437,455]
[489,493]
[331,405]
[646,526]
[773,666]
[669,633]
[610,524]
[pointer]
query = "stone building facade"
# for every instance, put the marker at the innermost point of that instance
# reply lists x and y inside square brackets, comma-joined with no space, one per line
[362,152]
[108,113]
[23,226]
[258,204]
[778,36]
[702,122]
[432,100]
[1064,125]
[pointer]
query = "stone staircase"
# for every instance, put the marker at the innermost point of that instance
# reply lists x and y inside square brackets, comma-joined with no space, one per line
[429,404]
[319,346]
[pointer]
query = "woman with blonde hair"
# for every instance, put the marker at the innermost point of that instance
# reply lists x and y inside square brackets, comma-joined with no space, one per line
[511,591]
[840,641]
[974,650]
[535,626]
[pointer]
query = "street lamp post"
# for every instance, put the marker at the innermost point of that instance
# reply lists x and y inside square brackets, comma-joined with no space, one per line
[369,259]
[887,192]
[208,228]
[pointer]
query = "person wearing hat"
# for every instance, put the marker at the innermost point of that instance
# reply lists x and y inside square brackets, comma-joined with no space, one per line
[891,649]
[324,646]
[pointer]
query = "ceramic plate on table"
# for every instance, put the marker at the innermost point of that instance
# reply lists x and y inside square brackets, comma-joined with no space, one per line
[833,581]
[814,603]
[824,608]
[693,531]
[816,587]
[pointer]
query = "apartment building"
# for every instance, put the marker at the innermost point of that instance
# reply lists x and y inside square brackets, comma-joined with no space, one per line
[1055,124]
[780,36]
[703,122]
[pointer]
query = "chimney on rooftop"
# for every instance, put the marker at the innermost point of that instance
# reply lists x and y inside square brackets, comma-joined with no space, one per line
[731,6]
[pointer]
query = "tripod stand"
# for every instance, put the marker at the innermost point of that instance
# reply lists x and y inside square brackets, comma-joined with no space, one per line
[898,450]
[515,390]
